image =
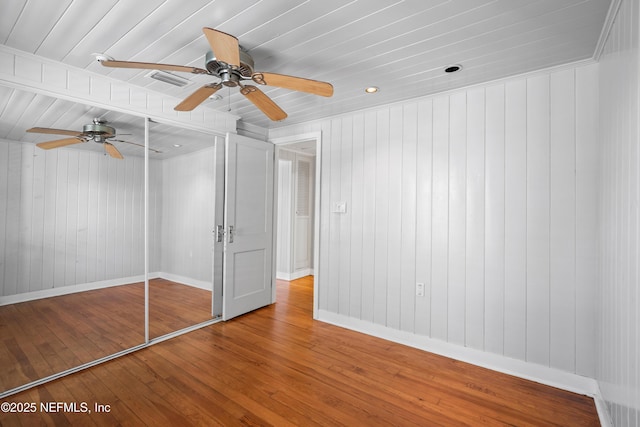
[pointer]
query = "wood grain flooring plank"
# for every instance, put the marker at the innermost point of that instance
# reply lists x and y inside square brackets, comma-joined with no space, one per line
[43,337]
[277,366]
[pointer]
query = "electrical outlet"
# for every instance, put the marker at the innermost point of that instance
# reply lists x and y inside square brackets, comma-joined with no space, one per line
[419,289]
[340,207]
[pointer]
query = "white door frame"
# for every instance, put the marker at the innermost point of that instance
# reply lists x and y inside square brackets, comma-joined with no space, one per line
[288,140]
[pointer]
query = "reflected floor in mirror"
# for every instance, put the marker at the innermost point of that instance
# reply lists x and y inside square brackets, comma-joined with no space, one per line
[47,336]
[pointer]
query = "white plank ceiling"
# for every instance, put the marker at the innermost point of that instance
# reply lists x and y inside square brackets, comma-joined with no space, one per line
[20,110]
[400,46]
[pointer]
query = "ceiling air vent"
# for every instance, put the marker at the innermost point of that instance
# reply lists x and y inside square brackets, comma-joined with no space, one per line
[166,77]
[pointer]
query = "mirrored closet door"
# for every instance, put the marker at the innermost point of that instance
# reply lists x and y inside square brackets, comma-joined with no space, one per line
[71,235]
[74,227]
[182,228]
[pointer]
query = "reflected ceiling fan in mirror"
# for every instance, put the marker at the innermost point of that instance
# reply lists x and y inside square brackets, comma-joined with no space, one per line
[98,132]
[232,66]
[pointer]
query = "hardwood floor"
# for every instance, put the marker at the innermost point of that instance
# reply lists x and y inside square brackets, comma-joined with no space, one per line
[43,337]
[276,366]
[174,306]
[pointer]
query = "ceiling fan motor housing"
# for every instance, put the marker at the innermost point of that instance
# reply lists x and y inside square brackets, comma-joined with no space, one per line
[230,76]
[98,130]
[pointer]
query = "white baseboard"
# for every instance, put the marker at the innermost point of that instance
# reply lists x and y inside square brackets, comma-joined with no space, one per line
[65,290]
[298,274]
[530,371]
[603,410]
[201,284]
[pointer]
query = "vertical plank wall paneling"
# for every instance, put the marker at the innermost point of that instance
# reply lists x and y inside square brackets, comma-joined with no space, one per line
[587,176]
[394,237]
[356,255]
[408,213]
[514,281]
[68,217]
[538,193]
[368,202]
[475,219]
[381,211]
[562,226]
[344,252]
[424,191]
[494,325]
[457,248]
[187,216]
[440,220]
[480,195]
[618,370]
[71,217]
[335,227]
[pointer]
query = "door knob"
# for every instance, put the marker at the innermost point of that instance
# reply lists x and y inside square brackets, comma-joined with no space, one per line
[219,233]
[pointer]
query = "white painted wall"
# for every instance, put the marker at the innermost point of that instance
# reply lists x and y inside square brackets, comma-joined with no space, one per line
[68,217]
[484,194]
[187,216]
[619,297]
[72,218]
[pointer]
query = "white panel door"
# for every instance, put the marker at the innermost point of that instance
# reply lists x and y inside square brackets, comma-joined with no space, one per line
[248,223]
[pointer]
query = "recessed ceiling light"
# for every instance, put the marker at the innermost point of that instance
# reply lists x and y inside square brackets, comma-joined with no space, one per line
[453,68]
[177,145]
[371,89]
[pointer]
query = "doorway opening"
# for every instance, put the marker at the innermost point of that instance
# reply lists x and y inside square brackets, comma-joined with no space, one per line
[298,161]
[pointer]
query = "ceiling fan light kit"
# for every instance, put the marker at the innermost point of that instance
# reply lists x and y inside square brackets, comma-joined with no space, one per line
[233,66]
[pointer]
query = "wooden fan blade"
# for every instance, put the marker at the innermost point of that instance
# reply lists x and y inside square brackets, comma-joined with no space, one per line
[55,131]
[294,83]
[153,66]
[59,143]
[264,103]
[225,46]
[197,97]
[112,151]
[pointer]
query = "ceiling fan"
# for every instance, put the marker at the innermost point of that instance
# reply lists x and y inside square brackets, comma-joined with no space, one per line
[98,132]
[232,66]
